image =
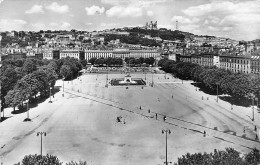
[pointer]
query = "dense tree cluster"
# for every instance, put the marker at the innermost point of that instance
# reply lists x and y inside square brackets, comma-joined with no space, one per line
[229,156]
[106,61]
[133,38]
[163,34]
[139,61]
[48,160]
[226,157]
[239,85]
[25,79]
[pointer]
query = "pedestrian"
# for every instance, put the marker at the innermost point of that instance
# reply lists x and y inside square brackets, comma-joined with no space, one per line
[156,116]
[172,96]
[140,107]
[164,118]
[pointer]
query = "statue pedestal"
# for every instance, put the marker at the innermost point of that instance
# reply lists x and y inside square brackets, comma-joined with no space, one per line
[127,79]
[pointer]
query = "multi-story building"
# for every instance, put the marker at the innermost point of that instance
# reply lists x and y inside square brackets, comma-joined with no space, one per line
[235,63]
[98,54]
[56,54]
[255,64]
[121,53]
[72,53]
[14,56]
[48,54]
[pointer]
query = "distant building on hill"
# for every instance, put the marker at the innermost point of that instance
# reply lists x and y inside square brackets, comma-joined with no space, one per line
[151,25]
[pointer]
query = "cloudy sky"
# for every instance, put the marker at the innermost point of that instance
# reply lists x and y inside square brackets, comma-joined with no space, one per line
[236,19]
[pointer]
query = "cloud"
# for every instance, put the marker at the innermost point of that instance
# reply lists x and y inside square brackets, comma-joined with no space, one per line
[227,28]
[193,28]
[64,25]
[109,24]
[185,20]
[150,13]
[89,23]
[212,28]
[140,3]
[214,19]
[120,11]
[55,7]
[12,24]
[94,10]
[236,19]
[35,9]
[38,26]
[224,7]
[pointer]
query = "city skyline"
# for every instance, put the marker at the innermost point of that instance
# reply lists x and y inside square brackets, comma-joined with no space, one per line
[233,19]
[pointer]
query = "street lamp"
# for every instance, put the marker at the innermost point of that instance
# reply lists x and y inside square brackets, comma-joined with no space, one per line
[152,79]
[217,92]
[63,86]
[107,77]
[167,131]
[253,115]
[40,134]
[50,93]
[27,107]
[196,82]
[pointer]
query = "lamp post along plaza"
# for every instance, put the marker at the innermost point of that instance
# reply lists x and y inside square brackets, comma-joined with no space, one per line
[27,108]
[196,82]
[217,92]
[63,87]
[50,93]
[253,114]
[167,131]
[40,134]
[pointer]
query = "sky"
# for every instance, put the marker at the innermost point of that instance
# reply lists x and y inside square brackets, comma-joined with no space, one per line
[235,19]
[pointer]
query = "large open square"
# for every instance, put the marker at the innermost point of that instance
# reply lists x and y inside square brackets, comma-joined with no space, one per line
[123,124]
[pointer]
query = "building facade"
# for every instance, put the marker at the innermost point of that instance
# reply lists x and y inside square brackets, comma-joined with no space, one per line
[121,53]
[236,63]
[72,53]
[255,64]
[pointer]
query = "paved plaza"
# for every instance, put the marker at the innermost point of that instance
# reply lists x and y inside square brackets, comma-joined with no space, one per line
[116,125]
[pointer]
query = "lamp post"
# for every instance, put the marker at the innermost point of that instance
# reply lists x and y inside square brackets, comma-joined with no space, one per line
[27,107]
[145,74]
[167,131]
[152,79]
[196,82]
[253,114]
[217,92]
[63,86]
[50,93]
[107,77]
[40,134]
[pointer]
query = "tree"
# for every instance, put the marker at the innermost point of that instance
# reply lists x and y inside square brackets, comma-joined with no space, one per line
[227,157]
[38,159]
[14,98]
[43,80]
[27,86]
[65,71]
[253,157]
[84,62]
[29,66]
[92,60]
